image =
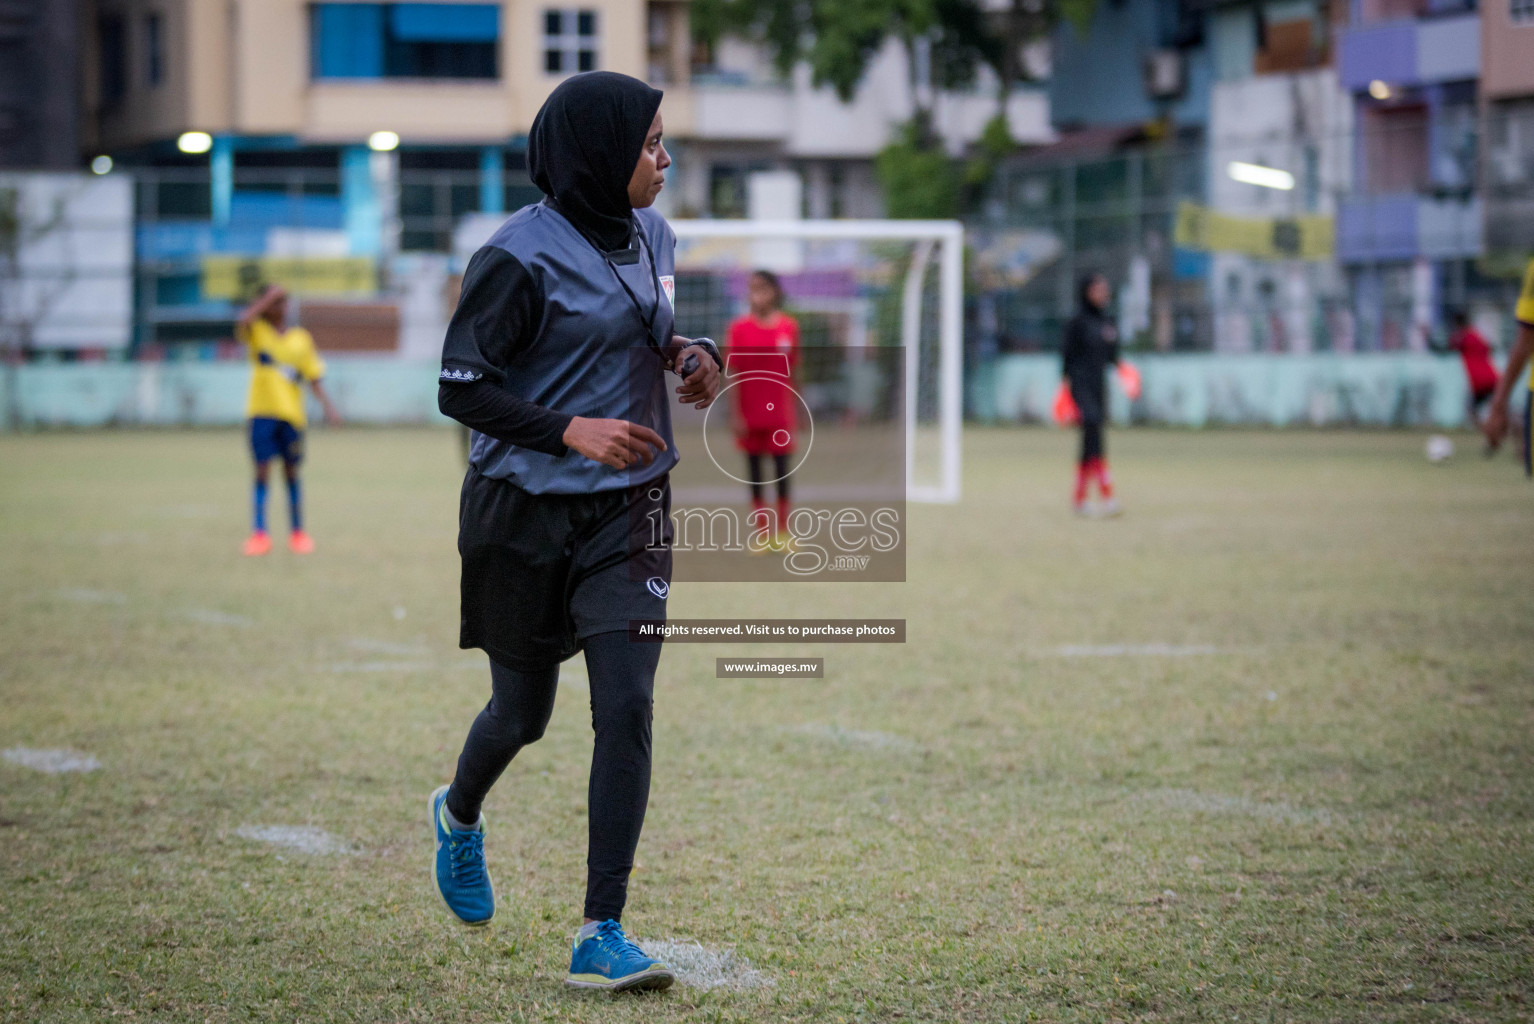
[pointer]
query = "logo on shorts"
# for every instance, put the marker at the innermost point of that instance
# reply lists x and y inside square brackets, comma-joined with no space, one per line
[657,586]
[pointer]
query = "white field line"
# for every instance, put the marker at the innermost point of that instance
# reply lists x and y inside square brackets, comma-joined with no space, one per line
[698,966]
[205,616]
[51,761]
[368,645]
[865,739]
[191,511]
[214,617]
[350,667]
[1240,806]
[83,595]
[298,838]
[1132,650]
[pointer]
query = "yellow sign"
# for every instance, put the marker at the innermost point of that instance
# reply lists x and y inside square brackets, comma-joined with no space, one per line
[1274,238]
[243,277]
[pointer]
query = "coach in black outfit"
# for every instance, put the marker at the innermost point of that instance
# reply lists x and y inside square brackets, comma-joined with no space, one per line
[1090,346]
[557,357]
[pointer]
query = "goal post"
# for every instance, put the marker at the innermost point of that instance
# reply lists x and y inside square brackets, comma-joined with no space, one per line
[922,261]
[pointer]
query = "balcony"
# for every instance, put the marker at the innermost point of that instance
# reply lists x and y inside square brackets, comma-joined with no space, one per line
[1409,51]
[745,112]
[1405,227]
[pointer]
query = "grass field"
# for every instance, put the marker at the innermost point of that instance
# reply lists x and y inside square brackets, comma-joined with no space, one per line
[1260,750]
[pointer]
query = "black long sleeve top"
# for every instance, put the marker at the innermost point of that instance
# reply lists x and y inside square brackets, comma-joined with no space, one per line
[499,310]
[1090,346]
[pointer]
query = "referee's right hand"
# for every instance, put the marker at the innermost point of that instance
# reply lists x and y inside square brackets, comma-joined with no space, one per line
[615,443]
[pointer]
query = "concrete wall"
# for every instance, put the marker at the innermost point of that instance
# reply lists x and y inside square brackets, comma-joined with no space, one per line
[1507,52]
[1260,390]
[1190,391]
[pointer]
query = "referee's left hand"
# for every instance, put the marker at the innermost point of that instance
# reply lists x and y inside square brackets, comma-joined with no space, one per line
[703,386]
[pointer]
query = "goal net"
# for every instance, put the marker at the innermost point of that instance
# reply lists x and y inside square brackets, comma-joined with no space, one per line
[878,306]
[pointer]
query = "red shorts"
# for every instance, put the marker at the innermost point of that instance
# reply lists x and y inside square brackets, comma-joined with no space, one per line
[766,441]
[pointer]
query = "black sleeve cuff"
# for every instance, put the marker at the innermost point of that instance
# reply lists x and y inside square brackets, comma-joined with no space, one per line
[495,412]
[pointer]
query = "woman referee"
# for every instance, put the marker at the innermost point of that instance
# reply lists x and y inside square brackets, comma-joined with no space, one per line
[555,358]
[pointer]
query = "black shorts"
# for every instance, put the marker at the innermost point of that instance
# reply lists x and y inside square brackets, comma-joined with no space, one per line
[542,572]
[1479,397]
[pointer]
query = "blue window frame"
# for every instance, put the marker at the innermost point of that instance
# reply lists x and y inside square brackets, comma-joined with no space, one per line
[405,40]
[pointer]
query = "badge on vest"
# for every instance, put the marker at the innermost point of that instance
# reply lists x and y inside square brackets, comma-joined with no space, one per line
[668,285]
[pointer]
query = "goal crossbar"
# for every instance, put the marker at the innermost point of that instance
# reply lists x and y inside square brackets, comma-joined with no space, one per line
[947,238]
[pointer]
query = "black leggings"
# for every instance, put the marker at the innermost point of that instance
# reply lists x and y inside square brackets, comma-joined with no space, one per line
[622,676]
[779,464]
[1091,440]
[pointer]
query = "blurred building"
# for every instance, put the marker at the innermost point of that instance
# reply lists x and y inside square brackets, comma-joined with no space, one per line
[1130,96]
[745,119]
[1280,176]
[1280,162]
[346,142]
[1411,229]
[39,52]
[1507,94]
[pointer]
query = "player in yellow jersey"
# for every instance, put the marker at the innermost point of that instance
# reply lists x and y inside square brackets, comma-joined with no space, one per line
[282,358]
[1513,376]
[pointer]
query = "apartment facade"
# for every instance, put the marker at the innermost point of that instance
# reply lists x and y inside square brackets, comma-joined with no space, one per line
[274,76]
[370,131]
[1411,231]
[1280,156]
[39,54]
[1507,95]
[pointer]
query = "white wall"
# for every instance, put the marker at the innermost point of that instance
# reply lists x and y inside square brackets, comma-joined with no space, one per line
[1272,305]
[1264,120]
[72,283]
[812,122]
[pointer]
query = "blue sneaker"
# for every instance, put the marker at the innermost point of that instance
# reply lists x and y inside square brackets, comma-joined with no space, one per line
[607,960]
[458,866]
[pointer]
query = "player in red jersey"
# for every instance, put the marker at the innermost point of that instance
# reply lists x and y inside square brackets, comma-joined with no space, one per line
[763,349]
[1479,371]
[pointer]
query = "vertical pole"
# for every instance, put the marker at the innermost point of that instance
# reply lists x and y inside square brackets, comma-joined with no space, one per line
[1065,302]
[359,201]
[492,181]
[910,342]
[221,175]
[951,375]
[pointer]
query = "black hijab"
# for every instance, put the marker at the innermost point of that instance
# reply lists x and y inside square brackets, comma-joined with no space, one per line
[582,149]
[1083,286]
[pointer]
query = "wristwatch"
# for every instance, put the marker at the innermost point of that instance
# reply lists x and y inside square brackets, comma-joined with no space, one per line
[690,364]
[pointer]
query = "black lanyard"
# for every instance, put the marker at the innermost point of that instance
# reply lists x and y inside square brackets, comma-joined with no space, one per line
[649,321]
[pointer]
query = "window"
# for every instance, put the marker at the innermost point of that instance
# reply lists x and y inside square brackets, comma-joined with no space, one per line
[409,40]
[1396,149]
[114,60]
[569,41]
[154,49]
[1521,11]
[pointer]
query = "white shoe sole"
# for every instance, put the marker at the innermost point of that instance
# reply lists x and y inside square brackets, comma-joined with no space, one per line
[656,980]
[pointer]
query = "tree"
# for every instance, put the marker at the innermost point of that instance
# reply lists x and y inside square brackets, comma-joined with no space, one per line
[948,39]
[838,38]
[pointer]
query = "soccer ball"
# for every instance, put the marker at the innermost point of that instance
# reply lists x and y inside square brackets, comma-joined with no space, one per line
[1439,448]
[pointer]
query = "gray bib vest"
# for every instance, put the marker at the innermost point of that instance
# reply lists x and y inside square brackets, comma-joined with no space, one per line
[592,355]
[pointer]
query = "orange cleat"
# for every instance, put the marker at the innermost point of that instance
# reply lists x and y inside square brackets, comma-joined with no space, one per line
[258,543]
[300,543]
